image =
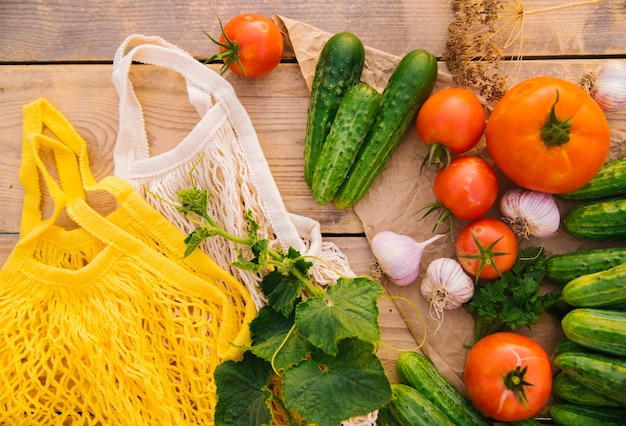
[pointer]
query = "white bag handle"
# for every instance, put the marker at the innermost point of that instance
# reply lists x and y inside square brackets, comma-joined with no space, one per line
[206,90]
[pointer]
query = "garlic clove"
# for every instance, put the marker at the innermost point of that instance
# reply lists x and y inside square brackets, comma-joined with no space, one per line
[399,256]
[608,86]
[446,285]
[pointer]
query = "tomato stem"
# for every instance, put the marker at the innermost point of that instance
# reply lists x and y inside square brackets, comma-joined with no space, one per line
[229,55]
[556,132]
[514,381]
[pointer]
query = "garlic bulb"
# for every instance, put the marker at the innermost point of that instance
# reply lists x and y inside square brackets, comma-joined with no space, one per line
[399,256]
[446,286]
[608,85]
[530,213]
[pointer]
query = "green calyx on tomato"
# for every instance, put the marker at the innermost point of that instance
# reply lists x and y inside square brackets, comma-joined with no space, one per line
[437,155]
[229,55]
[515,382]
[486,255]
[556,132]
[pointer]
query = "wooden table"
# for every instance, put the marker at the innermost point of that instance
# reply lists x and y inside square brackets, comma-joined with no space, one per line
[63,51]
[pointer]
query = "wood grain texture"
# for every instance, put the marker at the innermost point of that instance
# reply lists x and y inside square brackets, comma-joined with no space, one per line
[61,31]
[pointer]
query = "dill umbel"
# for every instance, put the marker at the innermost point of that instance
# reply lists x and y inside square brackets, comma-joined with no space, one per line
[482,35]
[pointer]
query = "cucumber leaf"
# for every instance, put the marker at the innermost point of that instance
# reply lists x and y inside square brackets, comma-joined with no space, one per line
[329,389]
[275,339]
[347,309]
[243,397]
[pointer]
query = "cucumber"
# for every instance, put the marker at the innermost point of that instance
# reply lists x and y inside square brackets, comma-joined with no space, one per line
[526,422]
[410,84]
[602,220]
[419,372]
[566,345]
[604,289]
[601,373]
[410,408]
[568,414]
[610,181]
[562,268]
[355,116]
[339,67]
[568,389]
[601,330]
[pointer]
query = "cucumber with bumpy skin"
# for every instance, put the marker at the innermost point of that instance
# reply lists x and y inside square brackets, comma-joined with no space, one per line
[355,115]
[568,414]
[339,67]
[598,329]
[409,86]
[610,181]
[568,389]
[601,373]
[410,408]
[601,220]
[563,268]
[420,373]
[604,289]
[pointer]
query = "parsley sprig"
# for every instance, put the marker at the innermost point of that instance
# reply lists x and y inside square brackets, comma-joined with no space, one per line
[313,353]
[514,300]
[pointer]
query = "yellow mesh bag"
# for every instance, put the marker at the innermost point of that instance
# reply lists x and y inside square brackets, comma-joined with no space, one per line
[105,323]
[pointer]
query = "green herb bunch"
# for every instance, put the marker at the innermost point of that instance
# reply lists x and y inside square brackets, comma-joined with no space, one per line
[313,353]
[513,300]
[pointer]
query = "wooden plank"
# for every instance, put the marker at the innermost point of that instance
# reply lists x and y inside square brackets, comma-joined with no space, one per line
[53,31]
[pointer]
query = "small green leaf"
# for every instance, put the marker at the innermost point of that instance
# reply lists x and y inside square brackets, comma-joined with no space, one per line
[195,238]
[329,389]
[194,200]
[348,309]
[242,394]
[281,291]
[275,337]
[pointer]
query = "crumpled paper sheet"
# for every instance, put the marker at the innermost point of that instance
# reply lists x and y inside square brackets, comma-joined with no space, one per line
[401,191]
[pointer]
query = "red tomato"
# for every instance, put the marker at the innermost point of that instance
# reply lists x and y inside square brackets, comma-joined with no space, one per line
[251,45]
[451,121]
[468,187]
[548,135]
[486,248]
[508,376]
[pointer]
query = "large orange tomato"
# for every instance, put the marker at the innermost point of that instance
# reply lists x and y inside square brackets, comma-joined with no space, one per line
[548,135]
[508,376]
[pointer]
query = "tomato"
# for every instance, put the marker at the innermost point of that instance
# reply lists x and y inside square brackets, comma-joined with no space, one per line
[251,45]
[467,187]
[486,248]
[451,121]
[548,135]
[508,376]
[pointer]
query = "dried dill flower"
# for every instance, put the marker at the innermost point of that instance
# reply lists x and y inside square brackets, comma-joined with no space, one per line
[482,35]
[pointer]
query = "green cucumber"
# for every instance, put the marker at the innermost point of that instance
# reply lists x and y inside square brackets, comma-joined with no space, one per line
[410,408]
[562,268]
[410,84]
[339,67]
[385,418]
[355,116]
[568,389]
[601,373]
[568,414]
[566,345]
[610,181]
[601,330]
[531,421]
[602,220]
[604,289]
[419,372]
